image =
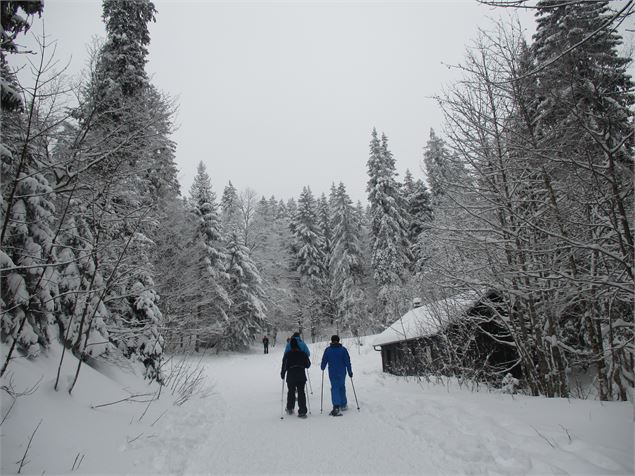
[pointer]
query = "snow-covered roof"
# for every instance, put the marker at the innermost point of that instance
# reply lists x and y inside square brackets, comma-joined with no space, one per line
[425,320]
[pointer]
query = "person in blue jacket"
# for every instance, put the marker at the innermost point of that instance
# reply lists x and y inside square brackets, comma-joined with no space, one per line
[339,363]
[303,347]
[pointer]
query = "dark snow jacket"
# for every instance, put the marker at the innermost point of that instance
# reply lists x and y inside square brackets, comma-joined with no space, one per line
[303,347]
[293,364]
[338,360]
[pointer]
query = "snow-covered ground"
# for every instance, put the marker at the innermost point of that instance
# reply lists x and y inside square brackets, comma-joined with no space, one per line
[402,427]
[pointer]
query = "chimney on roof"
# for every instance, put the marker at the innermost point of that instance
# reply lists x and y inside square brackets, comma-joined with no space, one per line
[416,302]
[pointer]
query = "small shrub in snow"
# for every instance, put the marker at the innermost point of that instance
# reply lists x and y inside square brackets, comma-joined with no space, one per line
[510,384]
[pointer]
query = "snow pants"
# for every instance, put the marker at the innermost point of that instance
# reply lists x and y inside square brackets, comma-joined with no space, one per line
[299,386]
[338,390]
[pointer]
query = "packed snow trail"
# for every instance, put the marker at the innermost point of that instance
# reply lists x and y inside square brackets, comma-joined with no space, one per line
[402,427]
[251,438]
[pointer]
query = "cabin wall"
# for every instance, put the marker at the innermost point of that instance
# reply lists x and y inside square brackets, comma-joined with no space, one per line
[413,357]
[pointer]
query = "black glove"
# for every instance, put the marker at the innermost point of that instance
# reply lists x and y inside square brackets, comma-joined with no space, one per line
[350,374]
[282,375]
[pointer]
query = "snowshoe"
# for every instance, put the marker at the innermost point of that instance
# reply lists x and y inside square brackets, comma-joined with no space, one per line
[335,412]
[302,415]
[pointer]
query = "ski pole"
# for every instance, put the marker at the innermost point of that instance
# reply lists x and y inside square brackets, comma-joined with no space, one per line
[308,375]
[322,392]
[282,401]
[355,393]
[308,403]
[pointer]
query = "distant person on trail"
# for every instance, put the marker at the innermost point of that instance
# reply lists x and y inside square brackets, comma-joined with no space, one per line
[265,343]
[339,363]
[303,347]
[294,364]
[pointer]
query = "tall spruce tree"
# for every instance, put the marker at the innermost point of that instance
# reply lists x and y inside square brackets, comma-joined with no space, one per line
[419,215]
[346,263]
[229,204]
[443,170]
[247,310]
[325,222]
[213,306]
[391,257]
[308,249]
[140,173]
[390,247]
[309,241]
[82,314]
[121,69]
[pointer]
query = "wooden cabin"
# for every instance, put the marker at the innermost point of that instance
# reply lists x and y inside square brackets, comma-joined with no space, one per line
[462,335]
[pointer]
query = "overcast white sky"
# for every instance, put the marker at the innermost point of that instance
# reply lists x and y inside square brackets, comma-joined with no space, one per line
[277,95]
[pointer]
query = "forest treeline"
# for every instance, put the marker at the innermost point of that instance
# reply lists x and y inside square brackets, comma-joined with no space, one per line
[528,192]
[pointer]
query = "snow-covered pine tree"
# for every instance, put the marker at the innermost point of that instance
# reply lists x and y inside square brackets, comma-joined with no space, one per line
[82,314]
[325,224]
[229,205]
[178,258]
[129,115]
[363,232]
[407,186]
[443,170]
[143,339]
[289,210]
[282,211]
[214,303]
[159,174]
[273,207]
[263,219]
[273,259]
[390,249]
[309,259]
[419,215]
[124,55]
[247,310]
[28,281]
[346,264]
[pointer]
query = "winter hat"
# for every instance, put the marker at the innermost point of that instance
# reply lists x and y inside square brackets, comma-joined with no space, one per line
[296,334]
[335,338]
[294,344]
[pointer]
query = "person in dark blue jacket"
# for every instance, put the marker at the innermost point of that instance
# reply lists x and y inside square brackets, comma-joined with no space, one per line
[294,365]
[339,363]
[303,347]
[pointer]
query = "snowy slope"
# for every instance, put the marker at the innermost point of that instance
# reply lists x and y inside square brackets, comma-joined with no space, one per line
[403,427]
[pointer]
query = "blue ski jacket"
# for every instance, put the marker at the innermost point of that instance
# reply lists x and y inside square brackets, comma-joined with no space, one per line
[303,347]
[338,360]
